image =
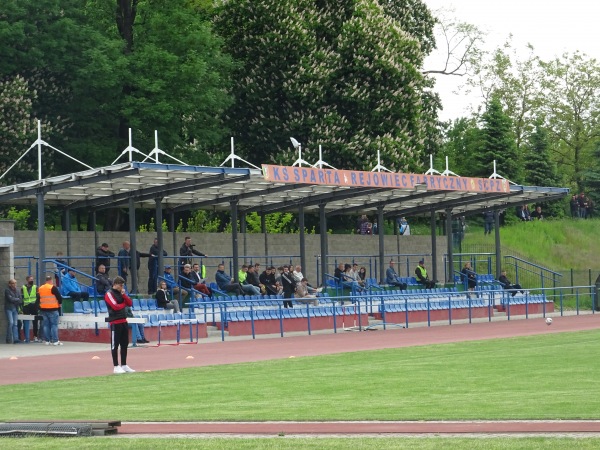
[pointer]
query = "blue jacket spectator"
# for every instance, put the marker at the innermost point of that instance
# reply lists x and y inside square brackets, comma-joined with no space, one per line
[225,282]
[71,288]
[171,284]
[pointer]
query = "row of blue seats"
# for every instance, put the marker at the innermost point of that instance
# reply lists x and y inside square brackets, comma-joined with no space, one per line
[153,320]
[288,313]
[525,299]
[89,306]
[423,306]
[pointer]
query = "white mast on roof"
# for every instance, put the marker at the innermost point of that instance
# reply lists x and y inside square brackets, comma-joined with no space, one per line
[232,157]
[431,170]
[39,142]
[448,172]
[157,151]
[299,161]
[130,150]
[379,167]
[320,163]
[495,175]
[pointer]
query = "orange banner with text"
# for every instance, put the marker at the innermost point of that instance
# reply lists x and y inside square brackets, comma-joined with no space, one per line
[357,178]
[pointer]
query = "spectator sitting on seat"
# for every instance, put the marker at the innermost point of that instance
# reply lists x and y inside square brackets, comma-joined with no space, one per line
[505,282]
[103,284]
[362,274]
[246,286]
[267,278]
[339,273]
[171,285]
[422,277]
[392,278]
[356,275]
[278,282]
[139,328]
[469,275]
[162,298]
[537,213]
[253,278]
[70,287]
[200,279]
[188,281]
[297,273]
[225,282]
[349,278]
[302,295]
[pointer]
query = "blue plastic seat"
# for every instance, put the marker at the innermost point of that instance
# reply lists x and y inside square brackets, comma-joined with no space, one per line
[151,304]
[153,320]
[78,307]
[87,307]
[143,304]
[136,304]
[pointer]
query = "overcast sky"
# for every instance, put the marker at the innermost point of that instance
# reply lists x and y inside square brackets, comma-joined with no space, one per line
[551,26]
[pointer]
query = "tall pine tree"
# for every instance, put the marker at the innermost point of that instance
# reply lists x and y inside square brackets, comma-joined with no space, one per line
[498,144]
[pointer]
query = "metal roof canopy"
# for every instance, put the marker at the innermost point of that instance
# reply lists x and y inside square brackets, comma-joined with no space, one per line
[182,187]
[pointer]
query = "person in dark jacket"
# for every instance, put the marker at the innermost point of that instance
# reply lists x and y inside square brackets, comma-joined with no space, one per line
[289,286]
[117,302]
[153,266]
[506,284]
[186,252]
[103,255]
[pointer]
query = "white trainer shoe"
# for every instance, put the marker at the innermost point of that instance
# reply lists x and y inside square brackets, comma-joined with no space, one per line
[47,342]
[126,368]
[57,343]
[118,369]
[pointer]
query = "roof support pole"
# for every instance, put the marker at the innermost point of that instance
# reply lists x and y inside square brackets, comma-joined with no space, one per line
[41,235]
[434,245]
[497,239]
[302,238]
[133,288]
[263,228]
[234,239]
[243,231]
[381,236]
[323,236]
[68,230]
[159,235]
[449,245]
[96,244]
[175,250]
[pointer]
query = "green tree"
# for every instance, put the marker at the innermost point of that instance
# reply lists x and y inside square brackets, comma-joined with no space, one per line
[572,111]
[498,144]
[344,75]
[540,170]
[463,140]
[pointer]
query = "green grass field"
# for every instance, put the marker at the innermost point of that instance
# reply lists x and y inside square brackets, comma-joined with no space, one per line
[550,376]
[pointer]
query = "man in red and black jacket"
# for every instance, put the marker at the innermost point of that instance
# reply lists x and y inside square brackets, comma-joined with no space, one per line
[117,302]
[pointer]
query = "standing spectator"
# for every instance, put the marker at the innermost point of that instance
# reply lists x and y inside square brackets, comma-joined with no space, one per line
[391,277]
[162,298]
[48,302]
[12,303]
[117,301]
[186,251]
[403,227]
[574,206]
[506,284]
[422,277]
[225,282]
[581,202]
[537,214]
[153,266]
[70,287]
[103,284]
[29,308]
[488,221]
[361,224]
[589,213]
[103,255]
[289,286]
[124,263]
[469,275]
